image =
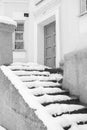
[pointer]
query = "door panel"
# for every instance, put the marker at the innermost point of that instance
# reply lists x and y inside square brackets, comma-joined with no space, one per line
[50,45]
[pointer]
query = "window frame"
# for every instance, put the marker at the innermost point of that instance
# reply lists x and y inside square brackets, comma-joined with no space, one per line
[82,12]
[14,36]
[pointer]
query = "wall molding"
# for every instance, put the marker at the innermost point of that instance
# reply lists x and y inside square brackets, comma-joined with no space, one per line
[45,6]
[16,1]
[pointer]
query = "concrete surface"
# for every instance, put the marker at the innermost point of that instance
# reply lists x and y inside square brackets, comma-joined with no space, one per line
[15,114]
[75,73]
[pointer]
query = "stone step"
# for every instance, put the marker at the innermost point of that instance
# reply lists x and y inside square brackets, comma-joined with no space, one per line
[61,99]
[55,70]
[54,94]
[79,124]
[72,101]
[39,78]
[56,86]
[60,109]
[79,111]
[29,73]
[49,91]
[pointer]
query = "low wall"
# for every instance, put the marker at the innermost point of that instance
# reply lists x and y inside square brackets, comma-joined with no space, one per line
[7,27]
[15,114]
[75,73]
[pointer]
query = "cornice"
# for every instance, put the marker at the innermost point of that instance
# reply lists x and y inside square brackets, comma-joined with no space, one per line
[45,6]
[16,1]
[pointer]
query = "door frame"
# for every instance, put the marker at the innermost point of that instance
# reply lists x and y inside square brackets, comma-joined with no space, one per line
[39,24]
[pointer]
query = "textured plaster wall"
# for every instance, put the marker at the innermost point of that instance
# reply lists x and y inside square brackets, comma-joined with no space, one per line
[16,11]
[6,56]
[15,114]
[75,73]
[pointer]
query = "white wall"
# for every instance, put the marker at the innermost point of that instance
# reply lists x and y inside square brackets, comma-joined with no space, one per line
[73,27]
[16,9]
[40,16]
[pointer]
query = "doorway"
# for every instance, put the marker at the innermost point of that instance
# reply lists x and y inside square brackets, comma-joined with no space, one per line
[50,45]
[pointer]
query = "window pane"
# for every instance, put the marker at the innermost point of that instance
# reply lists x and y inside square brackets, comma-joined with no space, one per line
[20,27]
[83,5]
[19,39]
[19,36]
[19,45]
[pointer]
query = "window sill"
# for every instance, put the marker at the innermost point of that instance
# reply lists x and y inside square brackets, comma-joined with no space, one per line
[82,14]
[19,50]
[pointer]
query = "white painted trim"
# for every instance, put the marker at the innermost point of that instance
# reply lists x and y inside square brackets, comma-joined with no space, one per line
[58,57]
[35,42]
[45,6]
[15,1]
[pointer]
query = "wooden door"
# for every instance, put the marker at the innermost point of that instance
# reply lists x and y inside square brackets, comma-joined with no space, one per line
[50,45]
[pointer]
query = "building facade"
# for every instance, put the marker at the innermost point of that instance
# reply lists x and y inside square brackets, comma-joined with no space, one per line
[47,29]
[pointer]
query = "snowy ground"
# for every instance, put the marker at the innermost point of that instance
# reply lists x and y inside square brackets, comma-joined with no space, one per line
[39,87]
[2,128]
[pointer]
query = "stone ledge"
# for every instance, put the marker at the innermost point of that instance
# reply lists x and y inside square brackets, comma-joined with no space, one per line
[15,114]
[75,73]
[78,54]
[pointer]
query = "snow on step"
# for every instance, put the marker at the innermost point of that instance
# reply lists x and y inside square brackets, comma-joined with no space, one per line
[47,98]
[27,66]
[78,127]
[31,100]
[58,109]
[41,78]
[69,119]
[42,90]
[37,84]
[2,128]
[26,73]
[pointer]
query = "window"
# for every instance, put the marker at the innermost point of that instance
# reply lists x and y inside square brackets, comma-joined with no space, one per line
[19,36]
[83,6]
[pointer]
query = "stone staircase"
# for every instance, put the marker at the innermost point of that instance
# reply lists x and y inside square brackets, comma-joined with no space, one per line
[46,87]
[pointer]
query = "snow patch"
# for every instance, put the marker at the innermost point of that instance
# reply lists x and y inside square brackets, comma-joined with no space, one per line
[41,84]
[69,119]
[7,20]
[26,73]
[41,78]
[78,127]
[58,109]
[2,128]
[42,90]
[47,98]
[27,66]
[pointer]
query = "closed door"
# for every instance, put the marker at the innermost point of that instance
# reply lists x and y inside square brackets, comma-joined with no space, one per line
[50,45]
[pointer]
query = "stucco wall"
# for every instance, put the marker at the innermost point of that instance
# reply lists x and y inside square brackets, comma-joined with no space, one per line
[15,114]
[6,29]
[6,56]
[73,27]
[16,10]
[75,73]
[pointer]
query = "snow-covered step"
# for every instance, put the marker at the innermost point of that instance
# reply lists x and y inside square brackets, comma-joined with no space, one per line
[2,128]
[28,73]
[27,66]
[41,78]
[54,70]
[37,84]
[50,99]
[50,91]
[67,120]
[60,109]
[78,127]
